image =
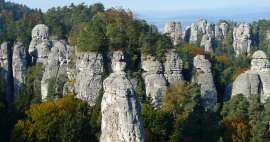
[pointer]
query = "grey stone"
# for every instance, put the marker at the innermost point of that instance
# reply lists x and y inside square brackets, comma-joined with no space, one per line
[88,82]
[207,43]
[242,39]
[174,29]
[204,79]
[19,66]
[121,120]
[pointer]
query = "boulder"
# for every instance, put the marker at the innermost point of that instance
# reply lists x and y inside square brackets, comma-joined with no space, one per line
[174,30]
[88,82]
[173,67]
[154,80]
[204,78]
[120,110]
[242,39]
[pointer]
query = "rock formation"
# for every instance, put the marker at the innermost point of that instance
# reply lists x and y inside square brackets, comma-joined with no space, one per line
[221,30]
[154,80]
[242,39]
[55,65]
[120,111]
[204,79]
[174,29]
[19,66]
[255,81]
[173,67]
[40,45]
[207,43]
[88,83]
[6,69]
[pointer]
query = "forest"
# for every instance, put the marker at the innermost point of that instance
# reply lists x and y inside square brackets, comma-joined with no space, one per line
[94,28]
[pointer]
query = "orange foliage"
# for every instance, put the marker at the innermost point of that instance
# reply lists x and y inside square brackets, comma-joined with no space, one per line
[118,16]
[194,50]
[223,59]
[238,72]
[237,129]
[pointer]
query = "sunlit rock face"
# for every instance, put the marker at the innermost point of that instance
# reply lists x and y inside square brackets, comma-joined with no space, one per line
[55,66]
[40,45]
[204,78]
[173,67]
[120,110]
[89,71]
[19,66]
[221,30]
[242,39]
[154,79]
[174,30]
[207,43]
[255,81]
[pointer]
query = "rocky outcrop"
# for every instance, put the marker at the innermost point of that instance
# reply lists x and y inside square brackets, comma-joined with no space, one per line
[207,43]
[255,81]
[203,77]
[120,111]
[40,45]
[55,65]
[6,69]
[221,30]
[88,82]
[19,66]
[173,67]
[174,30]
[154,80]
[242,39]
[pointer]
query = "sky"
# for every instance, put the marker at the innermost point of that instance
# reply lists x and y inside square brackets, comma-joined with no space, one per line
[159,11]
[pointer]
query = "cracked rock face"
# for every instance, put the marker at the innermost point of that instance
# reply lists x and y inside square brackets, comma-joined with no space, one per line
[19,66]
[88,82]
[207,43]
[221,30]
[242,39]
[154,80]
[201,27]
[55,65]
[120,111]
[40,45]
[205,81]
[174,29]
[255,81]
[173,67]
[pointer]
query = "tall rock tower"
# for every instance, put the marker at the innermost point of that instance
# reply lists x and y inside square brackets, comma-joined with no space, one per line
[120,110]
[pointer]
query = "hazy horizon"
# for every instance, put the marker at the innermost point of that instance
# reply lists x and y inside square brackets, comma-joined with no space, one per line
[158,12]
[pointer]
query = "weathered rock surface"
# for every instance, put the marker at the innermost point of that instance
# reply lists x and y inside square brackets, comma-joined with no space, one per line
[120,111]
[204,79]
[40,45]
[198,28]
[55,65]
[19,66]
[173,67]
[88,83]
[207,43]
[174,29]
[255,81]
[6,69]
[221,30]
[154,80]
[242,39]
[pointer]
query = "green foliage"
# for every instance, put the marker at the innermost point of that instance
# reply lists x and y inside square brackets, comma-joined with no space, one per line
[66,119]
[55,87]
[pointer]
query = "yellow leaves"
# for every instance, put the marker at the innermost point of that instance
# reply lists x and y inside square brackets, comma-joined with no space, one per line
[238,72]
[237,129]
[190,48]
[223,59]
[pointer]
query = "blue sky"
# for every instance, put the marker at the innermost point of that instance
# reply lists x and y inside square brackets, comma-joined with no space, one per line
[156,5]
[158,12]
